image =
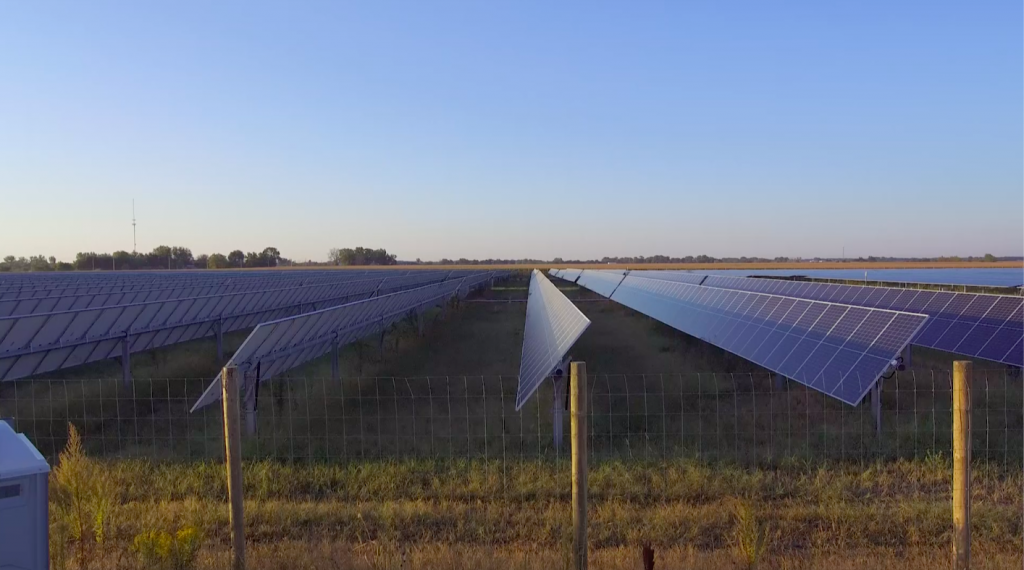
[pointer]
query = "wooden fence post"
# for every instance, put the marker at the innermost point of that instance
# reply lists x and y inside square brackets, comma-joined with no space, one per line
[578,414]
[229,380]
[961,465]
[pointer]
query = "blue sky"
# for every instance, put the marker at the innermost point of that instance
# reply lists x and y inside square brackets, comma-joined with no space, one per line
[514,129]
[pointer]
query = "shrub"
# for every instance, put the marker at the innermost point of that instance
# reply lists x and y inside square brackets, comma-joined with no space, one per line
[83,498]
[160,550]
[751,536]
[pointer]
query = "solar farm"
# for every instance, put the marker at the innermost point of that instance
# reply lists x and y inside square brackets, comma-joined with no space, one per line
[447,392]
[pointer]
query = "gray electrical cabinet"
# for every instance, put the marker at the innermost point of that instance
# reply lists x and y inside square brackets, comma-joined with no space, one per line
[24,503]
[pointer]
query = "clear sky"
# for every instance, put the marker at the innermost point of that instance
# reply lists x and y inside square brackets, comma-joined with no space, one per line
[514,129]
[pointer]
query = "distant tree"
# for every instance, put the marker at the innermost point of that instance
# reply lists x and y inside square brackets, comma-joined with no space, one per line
[201,261]
[123,260]
[181,257]
[989,257]
[218,261]
[236,258]
[64,266]
[270,256]
[39,263]
[361,256]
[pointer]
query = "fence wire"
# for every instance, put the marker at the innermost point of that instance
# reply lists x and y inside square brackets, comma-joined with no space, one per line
[739,418]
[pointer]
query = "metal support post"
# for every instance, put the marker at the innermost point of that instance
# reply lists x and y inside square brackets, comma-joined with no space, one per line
[219,326]
[335,365]
[962,464]
[249,384]
[229,381]
[908,361]
[578,414]
[557,410]
[876,407]
[126,362]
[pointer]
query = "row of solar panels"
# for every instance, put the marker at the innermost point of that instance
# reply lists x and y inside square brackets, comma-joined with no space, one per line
[276,346]
[163,284]
[43,342]
[117,282]
[833,339]
[977,325]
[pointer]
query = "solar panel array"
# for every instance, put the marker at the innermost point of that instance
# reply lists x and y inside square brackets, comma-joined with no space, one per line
[978,325]
[286,343]
[837,349]
[553,324]
[40,342]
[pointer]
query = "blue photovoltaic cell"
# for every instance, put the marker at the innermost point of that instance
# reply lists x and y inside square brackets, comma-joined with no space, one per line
[980,325]
[840,350]
[553,324]
[286,343]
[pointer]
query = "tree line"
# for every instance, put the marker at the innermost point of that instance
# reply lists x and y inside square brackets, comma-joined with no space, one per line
[162,257]
[168,257]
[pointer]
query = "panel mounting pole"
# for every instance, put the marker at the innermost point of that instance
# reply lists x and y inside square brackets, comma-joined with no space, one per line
[876,407]
[126,362]
[335,365]
[578,414]
[249,382]
[962,372]
[219,327]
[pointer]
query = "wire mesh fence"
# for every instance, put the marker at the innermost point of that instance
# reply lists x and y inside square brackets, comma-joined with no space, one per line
[740,418]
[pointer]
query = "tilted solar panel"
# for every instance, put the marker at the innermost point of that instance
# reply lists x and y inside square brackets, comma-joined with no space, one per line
[570,274]
[837,349]
[677,276]
[601,282]
[286,343]
[984,326]
[553,324]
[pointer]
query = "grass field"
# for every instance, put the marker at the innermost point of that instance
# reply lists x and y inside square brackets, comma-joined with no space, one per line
[446,514]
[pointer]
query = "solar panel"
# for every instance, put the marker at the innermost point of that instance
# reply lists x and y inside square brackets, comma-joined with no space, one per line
[286,343]
[978,325]
[677,276]
[570,274]
[601,282]
[837,349]
[553,324]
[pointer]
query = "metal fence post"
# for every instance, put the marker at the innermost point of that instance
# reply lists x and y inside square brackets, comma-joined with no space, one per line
[578,414]
[962,464]
[233,462]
